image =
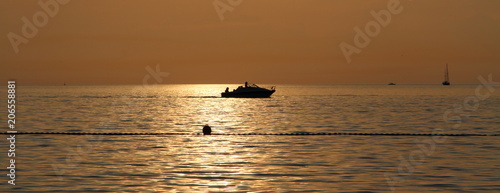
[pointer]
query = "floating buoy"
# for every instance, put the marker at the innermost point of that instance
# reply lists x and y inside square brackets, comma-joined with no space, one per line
[207,130]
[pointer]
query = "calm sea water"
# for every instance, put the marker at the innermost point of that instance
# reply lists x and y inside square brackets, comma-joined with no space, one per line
[255,163]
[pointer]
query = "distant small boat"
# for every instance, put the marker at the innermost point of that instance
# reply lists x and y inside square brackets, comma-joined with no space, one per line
[392,83]
[446,76]
[249,91]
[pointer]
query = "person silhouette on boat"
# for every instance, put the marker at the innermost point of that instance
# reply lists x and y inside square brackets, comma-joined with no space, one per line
[246,84]
[227,89]
[207,130]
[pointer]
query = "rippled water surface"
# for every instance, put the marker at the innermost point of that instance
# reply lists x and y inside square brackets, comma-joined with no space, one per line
[255,163]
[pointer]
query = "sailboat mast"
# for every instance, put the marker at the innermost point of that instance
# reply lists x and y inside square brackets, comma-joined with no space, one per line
[446,76]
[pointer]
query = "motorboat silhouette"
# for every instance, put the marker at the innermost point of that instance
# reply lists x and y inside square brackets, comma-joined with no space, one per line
[249,91]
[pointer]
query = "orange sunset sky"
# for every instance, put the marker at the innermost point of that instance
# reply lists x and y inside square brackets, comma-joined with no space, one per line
[261,41]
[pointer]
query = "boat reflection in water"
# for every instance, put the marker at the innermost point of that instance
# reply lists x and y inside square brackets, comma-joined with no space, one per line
[249,91]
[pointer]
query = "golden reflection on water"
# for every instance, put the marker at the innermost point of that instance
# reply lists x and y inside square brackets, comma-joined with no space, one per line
[226,163]
[204,105]
[196,163]
[237,162]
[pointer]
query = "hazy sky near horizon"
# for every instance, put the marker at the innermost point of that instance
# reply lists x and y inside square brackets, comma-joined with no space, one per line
[260,41]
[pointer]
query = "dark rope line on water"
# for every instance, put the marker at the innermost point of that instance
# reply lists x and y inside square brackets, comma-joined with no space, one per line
[386,134]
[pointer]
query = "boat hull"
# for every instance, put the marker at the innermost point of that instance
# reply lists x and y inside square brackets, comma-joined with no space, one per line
[256,94]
